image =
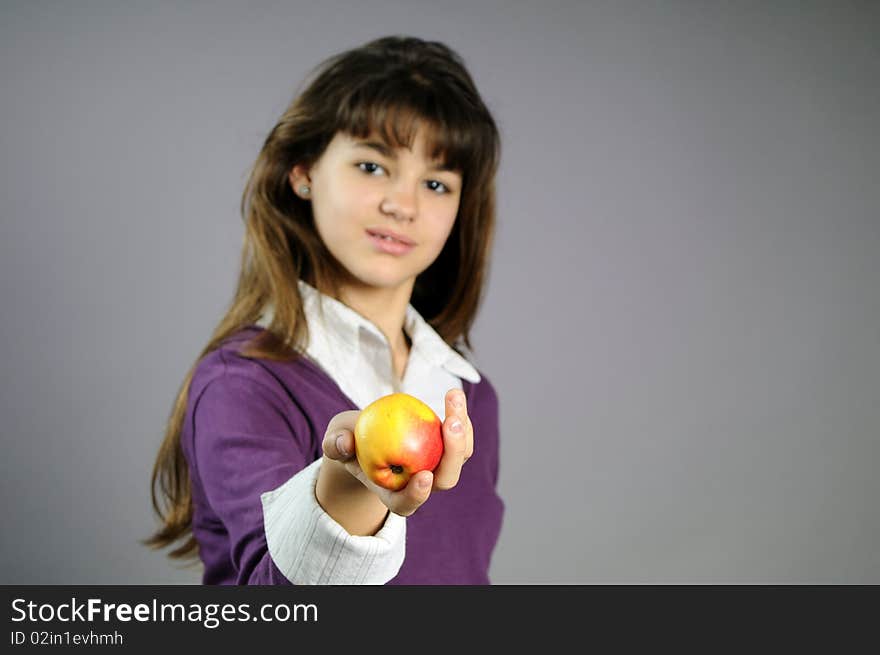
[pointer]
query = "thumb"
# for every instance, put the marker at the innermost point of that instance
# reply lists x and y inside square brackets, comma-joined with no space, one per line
[339,444]
[338,440]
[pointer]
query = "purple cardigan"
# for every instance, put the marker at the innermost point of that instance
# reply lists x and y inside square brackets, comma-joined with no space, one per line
[252,424]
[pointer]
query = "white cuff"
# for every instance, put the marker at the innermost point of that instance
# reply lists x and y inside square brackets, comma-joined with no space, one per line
[310,548]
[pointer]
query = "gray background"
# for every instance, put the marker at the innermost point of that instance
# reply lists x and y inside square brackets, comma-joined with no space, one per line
[683,316]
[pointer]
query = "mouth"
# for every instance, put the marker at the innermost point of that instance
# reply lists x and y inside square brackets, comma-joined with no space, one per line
[388,244]
[390,237]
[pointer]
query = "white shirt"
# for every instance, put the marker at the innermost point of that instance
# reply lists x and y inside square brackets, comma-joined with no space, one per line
[306,544]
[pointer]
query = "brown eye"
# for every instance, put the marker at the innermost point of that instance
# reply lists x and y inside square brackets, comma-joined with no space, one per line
[445,188]
[368,164]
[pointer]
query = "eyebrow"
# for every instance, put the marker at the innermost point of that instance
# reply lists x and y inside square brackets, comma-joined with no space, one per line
[384,150]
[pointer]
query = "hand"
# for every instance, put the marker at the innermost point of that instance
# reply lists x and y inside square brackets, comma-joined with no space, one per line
[458,447]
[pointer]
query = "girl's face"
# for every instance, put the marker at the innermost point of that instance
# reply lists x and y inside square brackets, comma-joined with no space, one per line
[360,187]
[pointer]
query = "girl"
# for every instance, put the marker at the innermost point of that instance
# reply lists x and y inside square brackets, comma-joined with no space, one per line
[369,218]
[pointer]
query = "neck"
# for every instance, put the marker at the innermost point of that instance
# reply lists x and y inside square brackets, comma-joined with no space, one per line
[384,307]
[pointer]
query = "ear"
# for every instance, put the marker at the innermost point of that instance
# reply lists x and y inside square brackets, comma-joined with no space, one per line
[299,177]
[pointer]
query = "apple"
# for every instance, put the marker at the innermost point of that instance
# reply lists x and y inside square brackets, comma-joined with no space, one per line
[395,437]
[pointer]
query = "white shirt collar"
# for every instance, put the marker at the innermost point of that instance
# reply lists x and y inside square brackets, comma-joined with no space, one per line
[355,353]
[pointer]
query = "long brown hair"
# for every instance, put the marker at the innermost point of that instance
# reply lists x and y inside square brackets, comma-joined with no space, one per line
[390,86]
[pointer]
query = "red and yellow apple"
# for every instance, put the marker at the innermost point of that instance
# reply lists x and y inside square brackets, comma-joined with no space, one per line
[395,437]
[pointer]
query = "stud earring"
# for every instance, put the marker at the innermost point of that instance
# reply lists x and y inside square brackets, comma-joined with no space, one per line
[304,190]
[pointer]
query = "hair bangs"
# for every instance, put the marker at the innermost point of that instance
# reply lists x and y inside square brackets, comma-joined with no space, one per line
[396,113]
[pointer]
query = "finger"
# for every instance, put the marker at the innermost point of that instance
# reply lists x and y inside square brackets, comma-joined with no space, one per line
[338,440]
[339,445]
[456,403]
[469,439]
[404,501]
[454,442]
[412,496]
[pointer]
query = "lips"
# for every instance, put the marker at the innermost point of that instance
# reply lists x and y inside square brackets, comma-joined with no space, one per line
[385,232]
[388,246]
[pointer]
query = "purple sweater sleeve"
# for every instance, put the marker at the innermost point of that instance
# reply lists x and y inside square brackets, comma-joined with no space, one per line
[244,443]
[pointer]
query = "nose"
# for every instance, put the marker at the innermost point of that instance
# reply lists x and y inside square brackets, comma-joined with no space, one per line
[400,202]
